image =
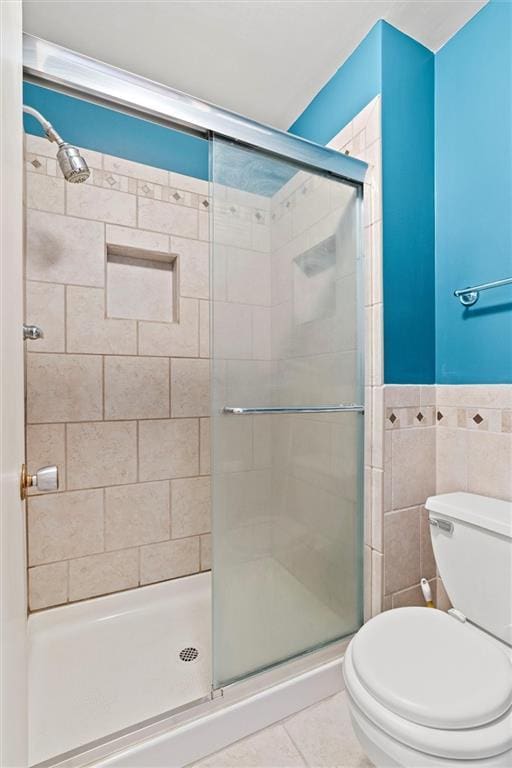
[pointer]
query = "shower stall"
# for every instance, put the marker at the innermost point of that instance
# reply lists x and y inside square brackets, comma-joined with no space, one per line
[210,365]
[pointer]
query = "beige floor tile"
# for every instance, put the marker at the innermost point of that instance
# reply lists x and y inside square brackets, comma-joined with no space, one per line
[270,748]
[324,735]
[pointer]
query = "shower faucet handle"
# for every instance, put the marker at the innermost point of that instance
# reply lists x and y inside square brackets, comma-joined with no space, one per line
[45,479]
[32,332]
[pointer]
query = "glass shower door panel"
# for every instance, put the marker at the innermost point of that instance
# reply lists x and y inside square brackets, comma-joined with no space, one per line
[287,488]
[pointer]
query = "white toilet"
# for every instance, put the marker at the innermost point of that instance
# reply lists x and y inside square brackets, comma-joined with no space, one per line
[428,688]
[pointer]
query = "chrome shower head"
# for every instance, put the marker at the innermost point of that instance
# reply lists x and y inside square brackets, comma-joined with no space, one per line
[72,164]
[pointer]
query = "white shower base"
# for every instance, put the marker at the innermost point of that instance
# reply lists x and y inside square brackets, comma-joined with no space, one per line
[108,664]
[105,664]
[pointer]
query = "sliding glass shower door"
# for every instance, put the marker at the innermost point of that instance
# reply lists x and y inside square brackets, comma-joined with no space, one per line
[286,426]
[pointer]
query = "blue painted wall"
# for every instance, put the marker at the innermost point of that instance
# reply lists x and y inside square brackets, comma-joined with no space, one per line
[474,198]
[355,83]
[105,130]
[408,209]
[402,70]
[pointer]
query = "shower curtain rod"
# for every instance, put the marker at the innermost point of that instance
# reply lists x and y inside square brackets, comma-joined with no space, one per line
[54,64]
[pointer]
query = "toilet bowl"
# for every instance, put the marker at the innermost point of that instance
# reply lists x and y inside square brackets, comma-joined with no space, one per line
[429,688]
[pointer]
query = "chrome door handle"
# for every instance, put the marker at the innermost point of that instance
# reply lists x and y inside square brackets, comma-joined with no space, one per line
[45,479]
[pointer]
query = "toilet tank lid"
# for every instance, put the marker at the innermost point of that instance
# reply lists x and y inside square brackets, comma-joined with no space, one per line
[483,511]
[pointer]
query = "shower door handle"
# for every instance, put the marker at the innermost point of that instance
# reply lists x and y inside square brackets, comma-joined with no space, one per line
[341,408]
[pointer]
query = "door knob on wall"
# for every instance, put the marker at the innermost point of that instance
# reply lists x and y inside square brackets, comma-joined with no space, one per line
[45,479]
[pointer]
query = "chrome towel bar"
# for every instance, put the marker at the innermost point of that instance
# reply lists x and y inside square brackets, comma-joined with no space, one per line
[294,409]
[469,296]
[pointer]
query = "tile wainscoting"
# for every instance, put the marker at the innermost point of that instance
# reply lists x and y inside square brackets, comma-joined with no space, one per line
[437,439]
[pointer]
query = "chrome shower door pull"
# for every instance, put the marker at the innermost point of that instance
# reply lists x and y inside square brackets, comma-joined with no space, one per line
[45,479]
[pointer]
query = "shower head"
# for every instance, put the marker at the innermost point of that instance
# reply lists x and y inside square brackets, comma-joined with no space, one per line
[72,164]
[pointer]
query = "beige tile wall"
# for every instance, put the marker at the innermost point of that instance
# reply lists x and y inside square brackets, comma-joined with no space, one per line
[438,439]
[361,138]
[409,478]
[120,405]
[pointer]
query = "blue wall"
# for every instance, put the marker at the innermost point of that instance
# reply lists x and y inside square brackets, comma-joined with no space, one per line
[355,83]
[474,198]
[408,209]
[105,130]
[402,70]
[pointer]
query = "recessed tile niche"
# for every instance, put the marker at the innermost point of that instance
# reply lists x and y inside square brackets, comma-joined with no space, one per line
[141,285]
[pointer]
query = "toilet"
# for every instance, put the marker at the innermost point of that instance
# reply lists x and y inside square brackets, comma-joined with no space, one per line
[429,688]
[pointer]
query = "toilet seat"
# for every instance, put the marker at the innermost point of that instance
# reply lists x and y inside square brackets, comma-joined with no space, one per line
[426,667]
[370,685]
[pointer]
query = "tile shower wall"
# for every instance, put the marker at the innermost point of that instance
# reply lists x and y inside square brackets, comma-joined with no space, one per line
[361,138]
[120,404]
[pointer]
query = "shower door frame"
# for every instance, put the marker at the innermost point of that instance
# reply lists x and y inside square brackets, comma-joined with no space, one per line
[64,70]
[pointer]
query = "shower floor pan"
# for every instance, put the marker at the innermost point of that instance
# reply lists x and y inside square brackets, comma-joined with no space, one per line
[103,665]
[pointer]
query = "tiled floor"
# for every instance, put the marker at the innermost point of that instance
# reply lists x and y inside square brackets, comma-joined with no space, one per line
[318,737]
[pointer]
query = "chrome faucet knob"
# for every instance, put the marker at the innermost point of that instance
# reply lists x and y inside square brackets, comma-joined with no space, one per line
[32,332]
[45,479]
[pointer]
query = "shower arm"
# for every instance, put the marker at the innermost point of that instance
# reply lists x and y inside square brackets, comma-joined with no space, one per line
[50,132]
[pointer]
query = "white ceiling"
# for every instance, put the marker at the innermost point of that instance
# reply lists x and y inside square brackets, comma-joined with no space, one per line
[265,59]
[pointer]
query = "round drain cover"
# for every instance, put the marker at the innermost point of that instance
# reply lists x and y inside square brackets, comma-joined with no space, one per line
[189,654]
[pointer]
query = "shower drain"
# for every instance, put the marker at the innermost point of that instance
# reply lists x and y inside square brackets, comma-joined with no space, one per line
[189,654]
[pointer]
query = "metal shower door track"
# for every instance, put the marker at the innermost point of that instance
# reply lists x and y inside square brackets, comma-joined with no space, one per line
[53,64]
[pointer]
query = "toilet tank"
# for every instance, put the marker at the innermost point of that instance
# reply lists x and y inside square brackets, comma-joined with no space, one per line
[472,542]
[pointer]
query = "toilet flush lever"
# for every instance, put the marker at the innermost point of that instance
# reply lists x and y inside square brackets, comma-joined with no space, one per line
[444,525]
[45,479]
